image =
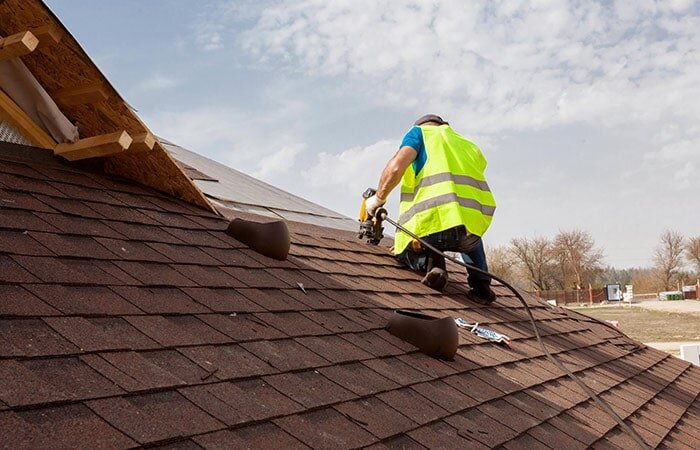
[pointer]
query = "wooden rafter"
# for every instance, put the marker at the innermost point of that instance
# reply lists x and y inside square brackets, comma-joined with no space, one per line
[143,142]
[48,35]
[66,65]
[96,146]
[18,44]
[80,95]
[32,132]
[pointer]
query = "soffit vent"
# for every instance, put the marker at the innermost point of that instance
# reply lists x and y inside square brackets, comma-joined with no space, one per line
[9,134]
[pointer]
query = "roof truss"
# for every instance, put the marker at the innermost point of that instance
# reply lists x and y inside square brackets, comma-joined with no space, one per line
[92,147]
[80,95]
[18,44]
[47,34]
[86,98]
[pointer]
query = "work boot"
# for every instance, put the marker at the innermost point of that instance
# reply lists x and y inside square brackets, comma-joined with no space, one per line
[436,278]
[481,293]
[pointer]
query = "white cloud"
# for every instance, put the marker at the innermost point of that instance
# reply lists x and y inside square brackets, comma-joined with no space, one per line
[232,136]
[347,174]
[498,65]
[679,151]
[674,158]
[217,24]
[158,81]
[352,168]
[200,128]
[686,177]
[209,36]
[535,82]
[279,162]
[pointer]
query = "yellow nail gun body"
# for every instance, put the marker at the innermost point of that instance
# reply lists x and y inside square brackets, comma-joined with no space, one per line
[370,227]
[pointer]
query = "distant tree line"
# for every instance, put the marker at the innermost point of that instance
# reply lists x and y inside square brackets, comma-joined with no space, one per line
[571,260]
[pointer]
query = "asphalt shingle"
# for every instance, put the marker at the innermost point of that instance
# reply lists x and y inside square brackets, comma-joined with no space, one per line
[132,319]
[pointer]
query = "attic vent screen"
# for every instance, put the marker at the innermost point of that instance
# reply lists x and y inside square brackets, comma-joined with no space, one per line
[9,134]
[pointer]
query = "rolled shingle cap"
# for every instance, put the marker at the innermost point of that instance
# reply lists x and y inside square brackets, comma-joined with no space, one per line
[430,118]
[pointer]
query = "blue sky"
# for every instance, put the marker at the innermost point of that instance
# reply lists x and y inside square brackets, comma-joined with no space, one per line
[587,111]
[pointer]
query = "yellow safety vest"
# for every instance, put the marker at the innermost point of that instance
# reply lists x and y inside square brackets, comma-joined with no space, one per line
[449,190]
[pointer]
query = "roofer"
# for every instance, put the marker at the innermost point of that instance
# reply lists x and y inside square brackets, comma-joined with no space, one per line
[444,199]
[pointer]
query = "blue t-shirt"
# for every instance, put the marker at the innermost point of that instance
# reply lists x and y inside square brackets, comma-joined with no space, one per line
[414,139]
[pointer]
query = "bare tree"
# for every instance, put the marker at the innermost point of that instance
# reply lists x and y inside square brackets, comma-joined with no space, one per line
[578,259]
[645,280]
[692,253]
[612,275]
[535,257]
[501,262]
[667,258]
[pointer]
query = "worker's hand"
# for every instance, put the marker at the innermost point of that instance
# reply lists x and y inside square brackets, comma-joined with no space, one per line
[372,204]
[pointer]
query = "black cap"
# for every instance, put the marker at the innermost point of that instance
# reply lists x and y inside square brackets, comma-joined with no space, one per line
[430,118]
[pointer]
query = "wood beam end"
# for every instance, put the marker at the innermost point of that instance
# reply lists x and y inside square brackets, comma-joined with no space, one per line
[95,147]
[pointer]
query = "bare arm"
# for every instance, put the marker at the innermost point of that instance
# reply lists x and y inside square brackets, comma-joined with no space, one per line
[392,173]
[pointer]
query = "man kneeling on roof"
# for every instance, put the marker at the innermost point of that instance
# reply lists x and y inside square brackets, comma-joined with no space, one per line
[444,199]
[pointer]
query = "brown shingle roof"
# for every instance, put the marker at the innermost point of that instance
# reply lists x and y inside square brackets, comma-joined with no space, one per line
[127,317]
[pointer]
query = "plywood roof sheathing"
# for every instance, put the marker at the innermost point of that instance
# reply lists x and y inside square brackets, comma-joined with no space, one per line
[96,146]
[18,44]
[68,66]
[80,95]
[24,124]
[47,35]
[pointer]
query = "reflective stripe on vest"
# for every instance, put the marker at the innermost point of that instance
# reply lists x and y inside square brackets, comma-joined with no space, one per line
[450,190]
[442,199]
[463,180]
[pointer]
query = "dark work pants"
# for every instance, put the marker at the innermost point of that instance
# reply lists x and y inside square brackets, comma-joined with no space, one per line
[455,240]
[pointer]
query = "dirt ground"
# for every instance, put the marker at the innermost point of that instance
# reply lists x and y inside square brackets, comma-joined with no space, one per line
[648,325]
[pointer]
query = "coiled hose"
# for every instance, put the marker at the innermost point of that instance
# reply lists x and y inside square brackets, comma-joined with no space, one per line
[383,215]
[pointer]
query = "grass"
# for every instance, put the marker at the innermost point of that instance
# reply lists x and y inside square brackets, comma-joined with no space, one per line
[647,325]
